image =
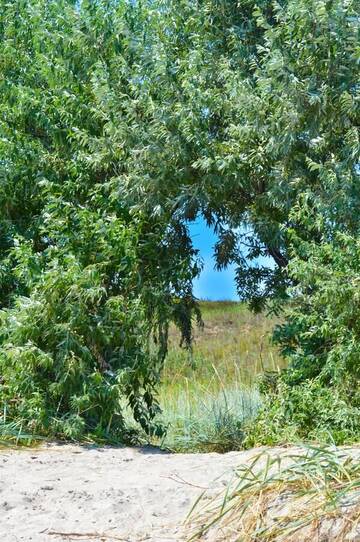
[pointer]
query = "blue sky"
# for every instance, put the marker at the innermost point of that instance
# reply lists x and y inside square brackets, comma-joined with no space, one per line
[214,285]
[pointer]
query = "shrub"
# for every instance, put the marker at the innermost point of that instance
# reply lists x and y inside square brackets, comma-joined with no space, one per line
[76,346]
[318,396]
[88,282]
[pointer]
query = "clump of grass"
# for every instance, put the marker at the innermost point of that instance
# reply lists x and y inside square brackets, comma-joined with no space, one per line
[199,420]
[312,495]
[12,434]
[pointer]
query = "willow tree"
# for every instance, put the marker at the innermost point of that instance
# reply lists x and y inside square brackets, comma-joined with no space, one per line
[252,106]
[88,285]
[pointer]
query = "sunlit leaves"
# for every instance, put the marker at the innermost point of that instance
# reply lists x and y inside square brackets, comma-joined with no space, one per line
[86,280]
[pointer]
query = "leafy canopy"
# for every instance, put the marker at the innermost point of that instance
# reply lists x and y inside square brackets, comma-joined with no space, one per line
[88,285]
[120,122]
[252,106]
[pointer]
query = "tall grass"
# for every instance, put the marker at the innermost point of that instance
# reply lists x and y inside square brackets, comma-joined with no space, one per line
[234,340]
[307,496]
[207,396]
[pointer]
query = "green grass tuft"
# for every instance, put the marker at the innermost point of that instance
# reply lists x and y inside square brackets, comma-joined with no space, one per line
[201,421]
[12,434]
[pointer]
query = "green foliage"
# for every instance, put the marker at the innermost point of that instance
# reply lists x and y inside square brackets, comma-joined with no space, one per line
[121,121]
[87,284]
[73,348]
[323,321]
[253,105]
[318,396]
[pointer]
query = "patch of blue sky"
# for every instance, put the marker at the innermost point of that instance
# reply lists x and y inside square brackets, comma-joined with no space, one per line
[212,284]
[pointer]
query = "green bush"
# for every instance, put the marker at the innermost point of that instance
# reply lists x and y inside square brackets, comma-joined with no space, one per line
[318,396]
[76,346]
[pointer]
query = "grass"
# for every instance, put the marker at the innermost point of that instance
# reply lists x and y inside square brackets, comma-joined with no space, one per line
[234,340]
[206,397]
[200,420]
[12,434]
[312,495]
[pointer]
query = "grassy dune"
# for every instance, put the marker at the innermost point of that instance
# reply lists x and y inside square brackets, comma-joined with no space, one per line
[207,396]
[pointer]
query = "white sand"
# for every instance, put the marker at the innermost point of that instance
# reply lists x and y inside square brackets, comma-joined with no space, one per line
[130,493]
[108,494]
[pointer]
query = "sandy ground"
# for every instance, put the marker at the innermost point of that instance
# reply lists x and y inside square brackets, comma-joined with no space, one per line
[124,494]
[58,493]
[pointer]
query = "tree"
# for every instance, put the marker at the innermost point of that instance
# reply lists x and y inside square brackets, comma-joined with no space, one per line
[255,125]
[88,285]
[251,105]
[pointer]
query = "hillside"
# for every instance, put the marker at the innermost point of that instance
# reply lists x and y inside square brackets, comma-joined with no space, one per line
[208,394]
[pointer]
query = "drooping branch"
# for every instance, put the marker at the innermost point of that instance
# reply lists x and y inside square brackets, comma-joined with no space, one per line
[278,257]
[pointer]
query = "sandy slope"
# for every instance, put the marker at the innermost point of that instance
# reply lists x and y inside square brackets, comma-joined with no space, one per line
[104,494]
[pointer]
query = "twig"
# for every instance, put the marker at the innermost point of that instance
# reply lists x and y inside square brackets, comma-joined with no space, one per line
[179,480]
[88,535]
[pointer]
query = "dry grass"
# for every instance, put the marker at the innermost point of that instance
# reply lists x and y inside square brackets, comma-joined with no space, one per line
[234,340]
[313,495]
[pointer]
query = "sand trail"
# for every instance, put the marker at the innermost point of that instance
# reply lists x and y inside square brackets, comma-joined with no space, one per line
[129,494]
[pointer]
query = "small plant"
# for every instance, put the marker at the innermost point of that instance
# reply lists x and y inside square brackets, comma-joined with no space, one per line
[12,434]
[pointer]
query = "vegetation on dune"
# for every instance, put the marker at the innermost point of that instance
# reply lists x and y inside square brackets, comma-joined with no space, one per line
[312,494]
[121,121]
[232,338]
[207,396]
